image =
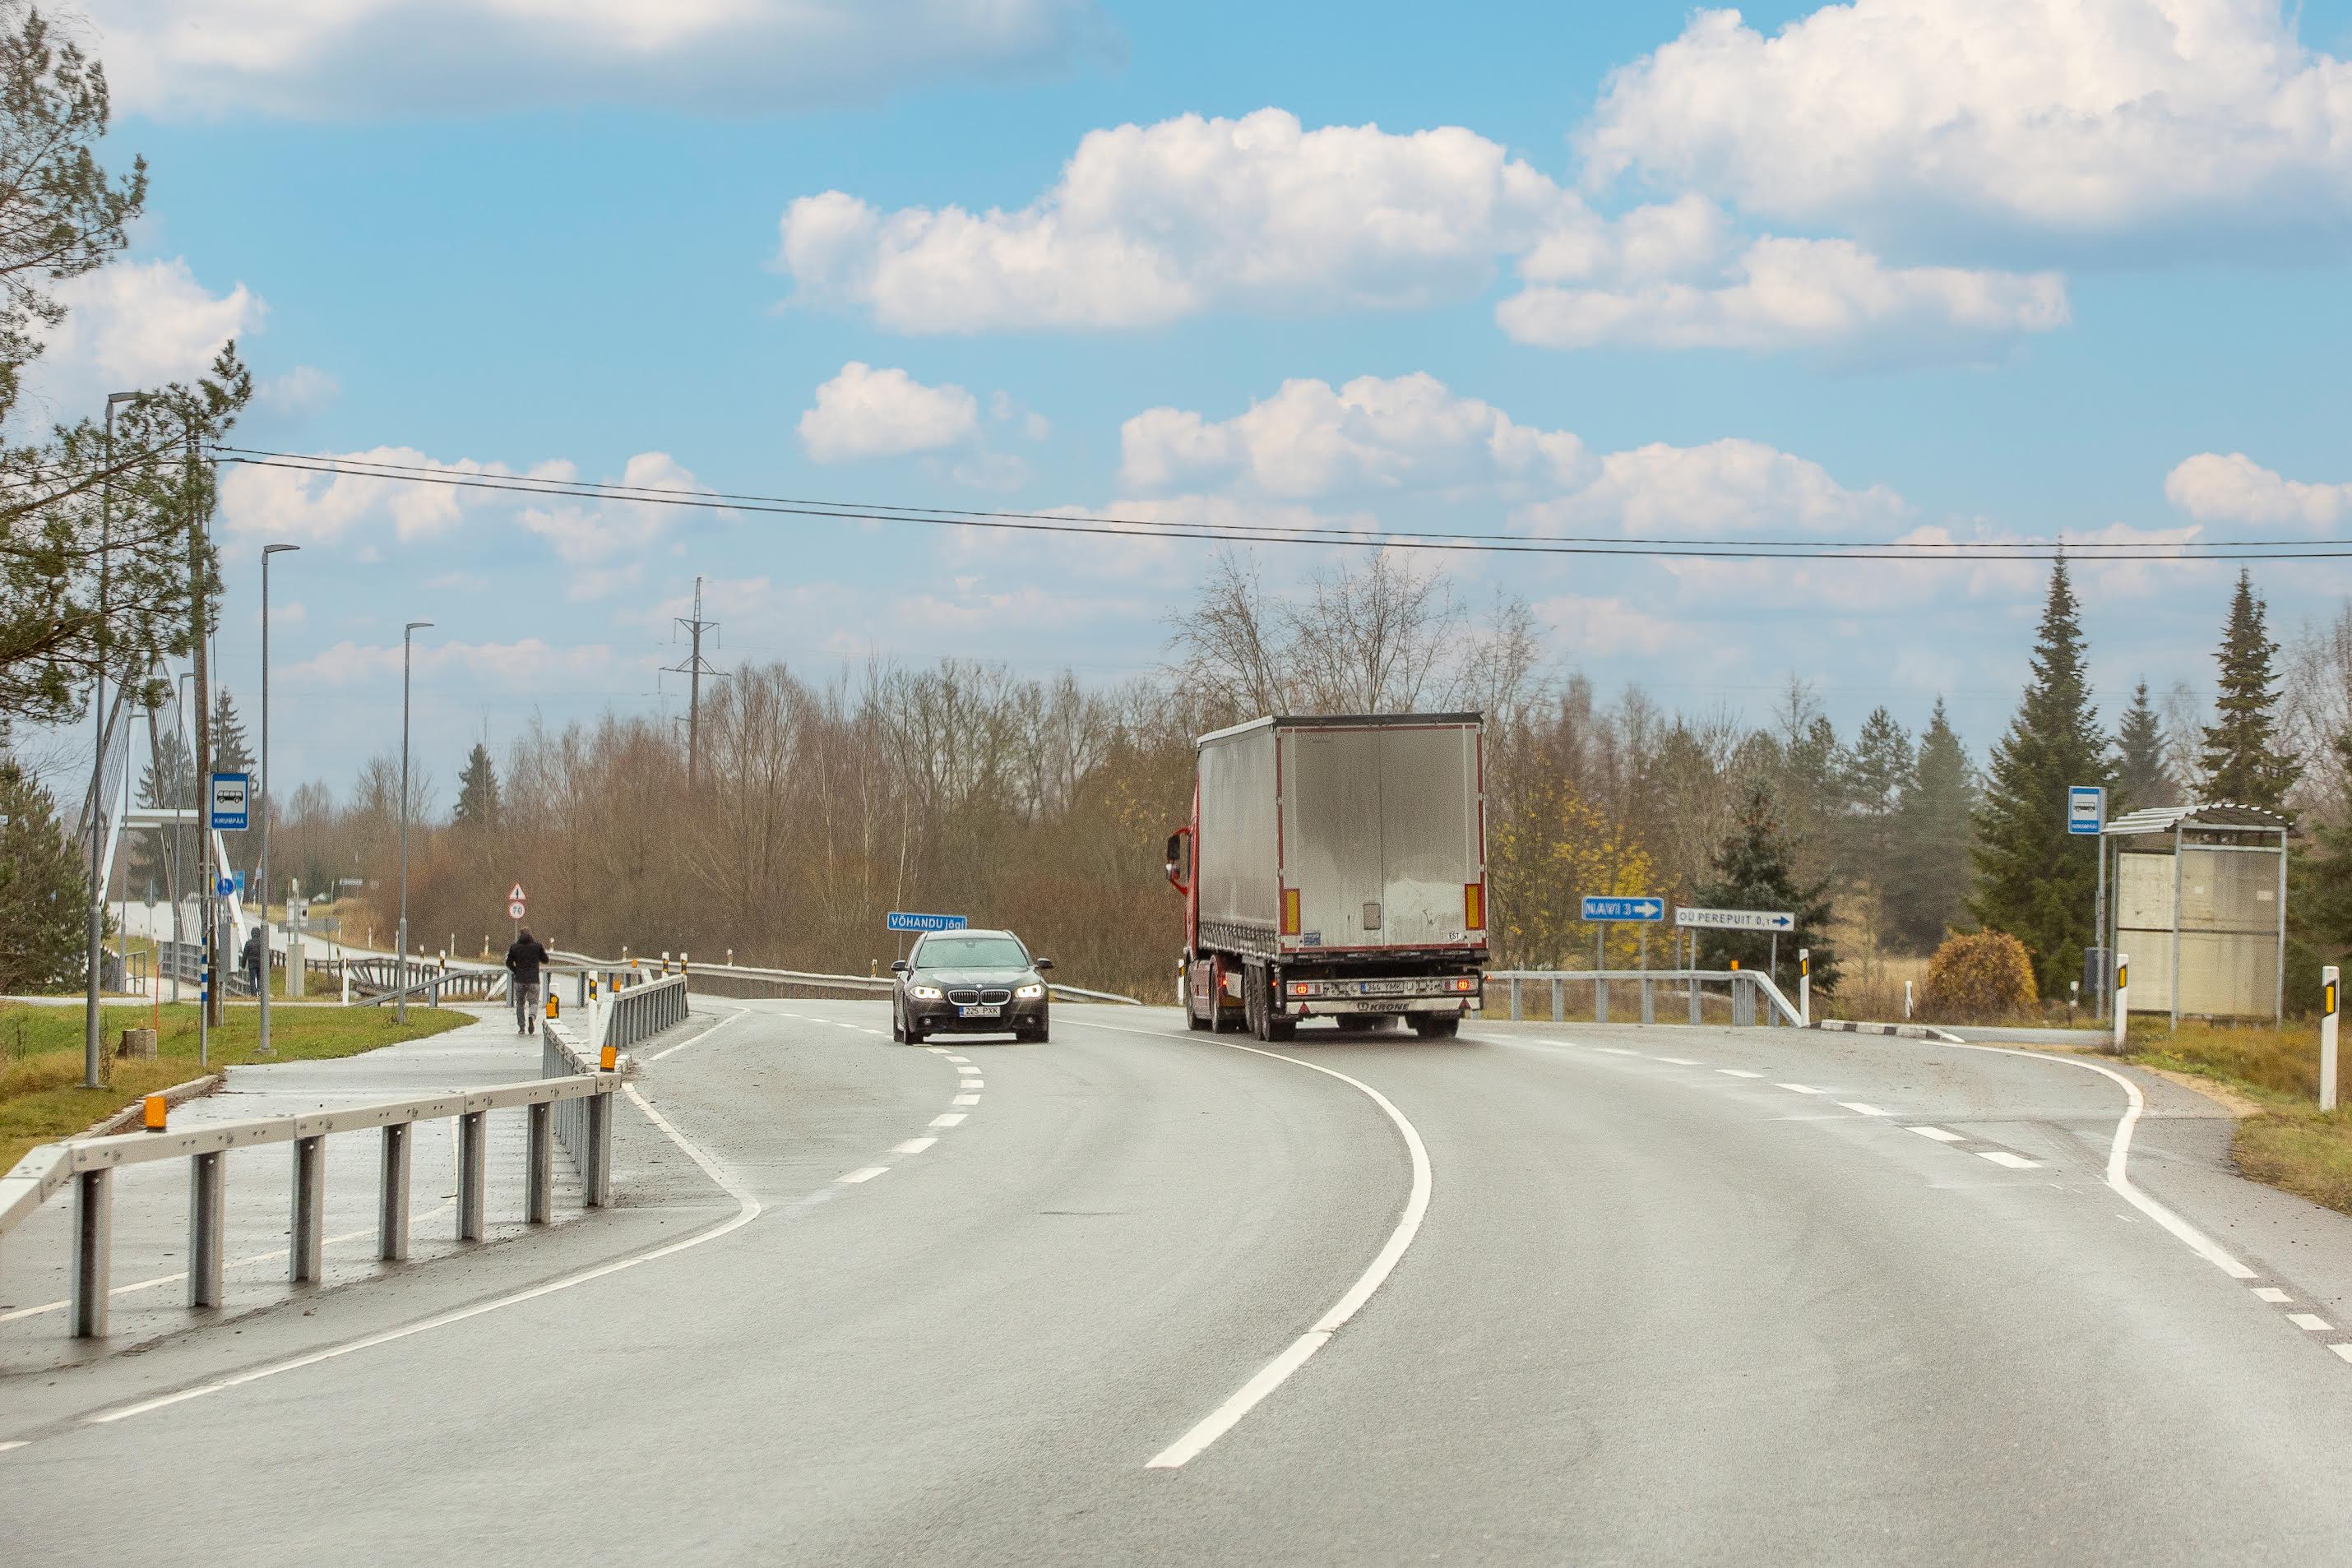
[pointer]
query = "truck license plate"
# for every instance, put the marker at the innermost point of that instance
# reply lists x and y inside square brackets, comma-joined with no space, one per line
[979,1013]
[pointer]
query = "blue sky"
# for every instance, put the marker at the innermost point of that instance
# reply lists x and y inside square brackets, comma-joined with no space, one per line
[2012,268]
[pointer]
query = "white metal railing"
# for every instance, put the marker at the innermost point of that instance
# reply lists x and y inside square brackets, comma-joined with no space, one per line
[88,1166]
[1744,988]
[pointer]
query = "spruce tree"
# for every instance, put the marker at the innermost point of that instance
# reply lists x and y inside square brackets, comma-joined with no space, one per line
[2141,777]
[2034,880]
[1756,868]
[44,890]
[478,790]
[230,752]
[1927,880]
[2244,762]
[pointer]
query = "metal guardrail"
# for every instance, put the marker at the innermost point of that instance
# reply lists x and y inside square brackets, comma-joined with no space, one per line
[635,1013]
[1745,988]
[88,1166]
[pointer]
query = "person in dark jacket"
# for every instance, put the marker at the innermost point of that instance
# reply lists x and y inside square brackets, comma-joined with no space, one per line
[523,961]
[251,958]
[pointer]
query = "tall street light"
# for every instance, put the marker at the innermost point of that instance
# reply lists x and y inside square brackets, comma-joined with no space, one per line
[91,1030]
[267,552]
[406,643]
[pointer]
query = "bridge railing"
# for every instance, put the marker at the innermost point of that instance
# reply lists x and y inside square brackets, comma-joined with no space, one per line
[87,1167]
[1744,991]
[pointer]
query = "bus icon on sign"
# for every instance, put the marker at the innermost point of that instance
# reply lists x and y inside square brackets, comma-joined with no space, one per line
[2086,809]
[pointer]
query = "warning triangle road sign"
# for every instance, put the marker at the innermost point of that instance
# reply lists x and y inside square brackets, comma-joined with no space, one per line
[514,893]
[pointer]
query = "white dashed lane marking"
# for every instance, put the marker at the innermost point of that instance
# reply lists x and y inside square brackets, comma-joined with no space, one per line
[958,1099]
[2343,1350]
[1800,1089]
[949,1119]
[868,1174]
[1937,1133]
[1678,1060]
[2003,1157]
[2315,1323]
[1737,1072]
[914,1146]
[1859,1109]
[2272,1295]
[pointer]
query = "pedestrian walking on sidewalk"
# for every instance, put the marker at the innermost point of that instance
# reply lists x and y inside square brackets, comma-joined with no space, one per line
[523,961]
[252,958]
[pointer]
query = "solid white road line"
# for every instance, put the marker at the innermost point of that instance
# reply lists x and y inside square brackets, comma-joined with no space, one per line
[697,1040]
[1736,1072]
[949,1118]
[2119,1160]
[1800,1089]
[1270,1376]
[748,1209]
[2308,1320]
[1937,1133]
[866,1174]
[2272,1295]
[1859,1109]
[2014,1162]
[914,1146]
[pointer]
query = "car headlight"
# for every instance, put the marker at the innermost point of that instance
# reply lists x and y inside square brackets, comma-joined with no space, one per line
[1030,993]
[925,993]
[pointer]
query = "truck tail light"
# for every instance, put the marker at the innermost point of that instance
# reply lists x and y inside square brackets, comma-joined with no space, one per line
[1302,987]
[1290,912]
[1474,905]
[1464,985]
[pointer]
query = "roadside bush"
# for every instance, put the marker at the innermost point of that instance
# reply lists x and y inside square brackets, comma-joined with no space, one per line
[1980,974]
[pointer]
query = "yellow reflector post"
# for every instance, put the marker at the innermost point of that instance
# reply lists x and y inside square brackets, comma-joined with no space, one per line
[1474,905]
[612,1058]
[154,1110]
[1290,912]
[554,1006]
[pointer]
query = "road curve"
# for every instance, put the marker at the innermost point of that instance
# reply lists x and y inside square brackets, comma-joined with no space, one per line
[1678,1296]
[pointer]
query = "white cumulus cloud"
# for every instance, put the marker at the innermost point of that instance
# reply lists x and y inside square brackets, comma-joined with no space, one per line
[342,58]
[1373,433]
[1149,223]
[131,325]
[2236,489]
[2055,117]
[866,413]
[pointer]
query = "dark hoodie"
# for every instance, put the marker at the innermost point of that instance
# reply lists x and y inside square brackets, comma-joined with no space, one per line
[524,958]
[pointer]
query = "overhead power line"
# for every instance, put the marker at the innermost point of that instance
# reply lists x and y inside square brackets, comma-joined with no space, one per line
[1919,552]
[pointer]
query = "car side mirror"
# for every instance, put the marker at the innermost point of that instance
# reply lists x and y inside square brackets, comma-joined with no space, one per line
[1041,964]
[1175,855]
[897,966]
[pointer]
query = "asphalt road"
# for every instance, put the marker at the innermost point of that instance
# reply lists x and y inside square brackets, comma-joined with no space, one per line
[1665,1305]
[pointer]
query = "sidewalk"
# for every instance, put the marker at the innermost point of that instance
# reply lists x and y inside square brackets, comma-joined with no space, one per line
[151,1201]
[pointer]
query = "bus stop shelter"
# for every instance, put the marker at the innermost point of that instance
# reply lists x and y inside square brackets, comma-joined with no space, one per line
[2204,918]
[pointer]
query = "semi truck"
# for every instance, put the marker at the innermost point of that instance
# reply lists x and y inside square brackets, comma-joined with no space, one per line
[1335,867]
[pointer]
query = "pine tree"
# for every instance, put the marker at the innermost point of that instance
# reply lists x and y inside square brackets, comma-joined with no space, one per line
[2034,880]
[230,752]
[44,890]
[1926,885]
[1756,868]
[2141,777]
[2243,763]
[478,790]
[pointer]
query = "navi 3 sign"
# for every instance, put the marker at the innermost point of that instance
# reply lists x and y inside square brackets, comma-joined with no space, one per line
[1640,910]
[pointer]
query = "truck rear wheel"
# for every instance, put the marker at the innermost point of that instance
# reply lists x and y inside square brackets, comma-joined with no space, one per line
[1434,1025]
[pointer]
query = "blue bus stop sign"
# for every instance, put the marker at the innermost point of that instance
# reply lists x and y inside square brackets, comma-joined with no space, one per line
[2086,809]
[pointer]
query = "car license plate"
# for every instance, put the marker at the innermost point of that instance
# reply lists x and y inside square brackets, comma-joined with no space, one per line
[979,1013]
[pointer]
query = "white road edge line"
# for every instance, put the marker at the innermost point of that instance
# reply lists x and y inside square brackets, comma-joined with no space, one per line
[697,1040]
[2119,1165]
[1270,1376]
[749,1208]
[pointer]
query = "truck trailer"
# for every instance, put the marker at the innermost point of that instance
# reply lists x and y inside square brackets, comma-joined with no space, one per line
[1335,867]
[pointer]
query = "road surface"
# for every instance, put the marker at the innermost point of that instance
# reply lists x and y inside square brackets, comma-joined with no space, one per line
[1677,1296]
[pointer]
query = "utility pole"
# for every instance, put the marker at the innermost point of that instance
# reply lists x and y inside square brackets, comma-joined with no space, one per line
[210,934]
[694,669]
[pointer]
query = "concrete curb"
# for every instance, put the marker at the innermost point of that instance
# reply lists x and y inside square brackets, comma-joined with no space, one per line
[127,1118]
[1902,1030]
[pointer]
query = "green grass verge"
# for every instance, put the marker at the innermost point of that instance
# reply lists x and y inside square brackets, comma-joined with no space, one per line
[2291,1145]
[41,1096]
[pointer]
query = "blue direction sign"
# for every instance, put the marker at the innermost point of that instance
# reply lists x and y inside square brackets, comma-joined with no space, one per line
[898,922]
[1640,911]
[2086,809]
[231,802]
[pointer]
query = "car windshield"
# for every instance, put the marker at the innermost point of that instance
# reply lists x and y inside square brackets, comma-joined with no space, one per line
[972,953]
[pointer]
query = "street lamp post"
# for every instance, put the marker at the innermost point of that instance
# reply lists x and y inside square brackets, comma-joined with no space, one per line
[91,1030]
[406,642]
[267,944]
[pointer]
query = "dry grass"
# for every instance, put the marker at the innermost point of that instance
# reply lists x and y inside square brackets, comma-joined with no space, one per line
[41,1096]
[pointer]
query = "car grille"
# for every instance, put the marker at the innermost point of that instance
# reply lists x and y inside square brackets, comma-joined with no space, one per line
[967,997]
